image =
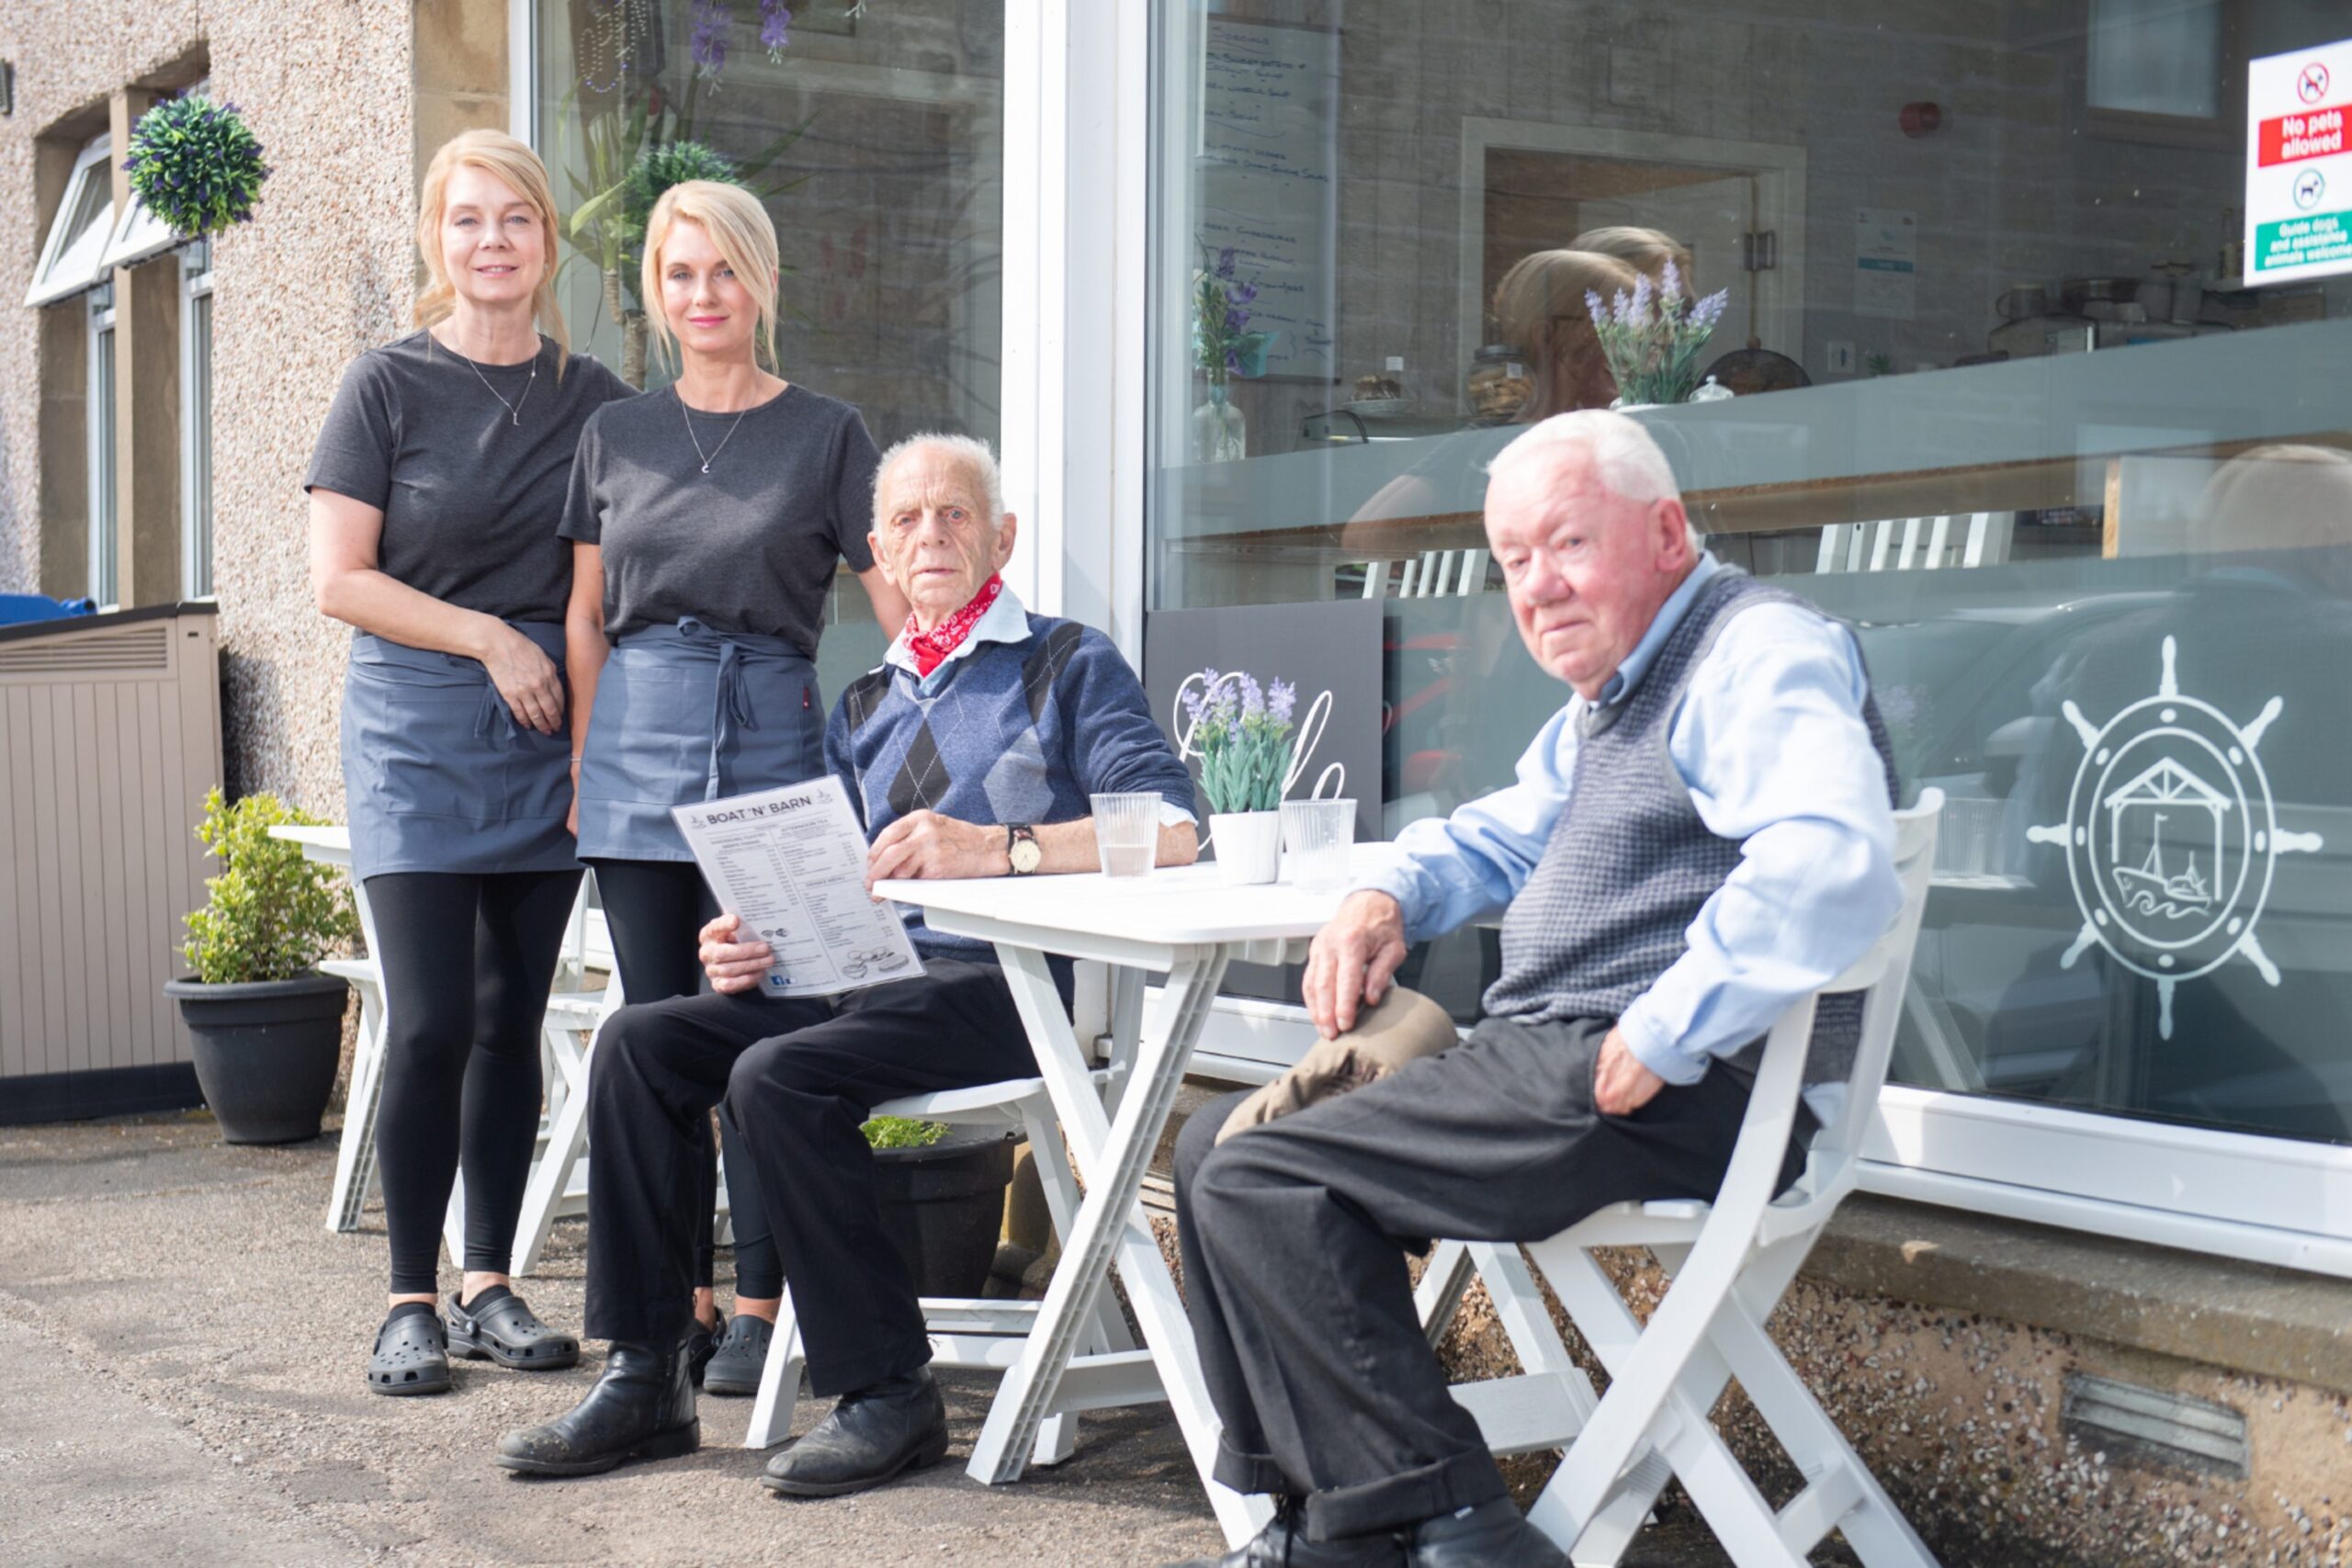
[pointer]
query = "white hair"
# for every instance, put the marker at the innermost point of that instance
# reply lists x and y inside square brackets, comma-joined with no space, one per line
[969,450]
[1624,456]
[1626,459]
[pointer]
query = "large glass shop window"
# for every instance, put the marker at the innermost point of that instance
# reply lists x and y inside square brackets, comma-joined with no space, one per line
[2007,391]
[874,133]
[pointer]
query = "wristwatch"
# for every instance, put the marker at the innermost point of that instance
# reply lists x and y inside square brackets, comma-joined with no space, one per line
[1020,850]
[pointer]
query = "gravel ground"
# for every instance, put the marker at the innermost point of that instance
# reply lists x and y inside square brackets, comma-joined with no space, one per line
[181,1344]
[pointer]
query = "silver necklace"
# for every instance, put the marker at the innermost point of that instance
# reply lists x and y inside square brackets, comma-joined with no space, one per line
[515,409]
[708,458]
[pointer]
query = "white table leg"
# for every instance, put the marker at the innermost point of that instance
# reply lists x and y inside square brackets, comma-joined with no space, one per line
[354,1156]
[1112,1155]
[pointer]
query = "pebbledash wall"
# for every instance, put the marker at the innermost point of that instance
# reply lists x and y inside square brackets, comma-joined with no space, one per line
[345,99]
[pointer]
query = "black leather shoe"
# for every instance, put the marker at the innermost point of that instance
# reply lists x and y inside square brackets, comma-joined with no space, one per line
[701,1345]
[643,1407]
[1492,1535]
[740,1357]
[1283,1544]
[900,1424]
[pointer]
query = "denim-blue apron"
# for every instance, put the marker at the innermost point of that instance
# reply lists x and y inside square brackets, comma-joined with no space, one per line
[437,774]
[684,713]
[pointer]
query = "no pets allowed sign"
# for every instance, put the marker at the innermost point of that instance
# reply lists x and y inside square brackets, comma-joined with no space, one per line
[2299,165]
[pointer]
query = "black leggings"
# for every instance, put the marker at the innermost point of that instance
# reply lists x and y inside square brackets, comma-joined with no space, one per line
[654,910]
[468,960]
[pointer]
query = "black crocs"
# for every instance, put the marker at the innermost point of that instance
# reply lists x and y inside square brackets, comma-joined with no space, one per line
[498,1326]
[412,1355]
[739,1358]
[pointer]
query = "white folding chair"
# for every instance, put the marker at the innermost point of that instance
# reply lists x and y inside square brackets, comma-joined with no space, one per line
[1430,575]
[979,1333]
[1924,544]
[1729,1261]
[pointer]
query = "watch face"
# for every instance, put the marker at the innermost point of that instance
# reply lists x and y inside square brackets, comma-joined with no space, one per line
[1025,855]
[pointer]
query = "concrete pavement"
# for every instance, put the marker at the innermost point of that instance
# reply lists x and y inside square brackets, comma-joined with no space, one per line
[181,1344]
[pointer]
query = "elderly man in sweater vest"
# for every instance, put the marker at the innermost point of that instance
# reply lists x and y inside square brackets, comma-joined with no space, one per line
[1701,835]
[971,751]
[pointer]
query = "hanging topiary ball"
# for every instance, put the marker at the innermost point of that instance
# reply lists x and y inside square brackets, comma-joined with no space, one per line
[660,167]
[195,164]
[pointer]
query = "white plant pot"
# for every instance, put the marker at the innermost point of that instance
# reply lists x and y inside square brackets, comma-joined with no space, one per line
[1249,846]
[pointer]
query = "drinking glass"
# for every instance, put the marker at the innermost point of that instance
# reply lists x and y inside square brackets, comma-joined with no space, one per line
[1316,835]
[1127,833]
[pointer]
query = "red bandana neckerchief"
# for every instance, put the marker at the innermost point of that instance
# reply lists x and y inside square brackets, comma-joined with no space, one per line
[931,648]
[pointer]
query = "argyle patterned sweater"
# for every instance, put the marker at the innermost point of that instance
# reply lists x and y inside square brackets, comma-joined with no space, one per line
[1010,732]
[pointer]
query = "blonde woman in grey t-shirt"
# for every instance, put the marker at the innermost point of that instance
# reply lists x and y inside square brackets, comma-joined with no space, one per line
[435,487]
[707,521]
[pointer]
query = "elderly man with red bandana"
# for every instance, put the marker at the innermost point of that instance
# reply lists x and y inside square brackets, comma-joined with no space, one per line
[971,751]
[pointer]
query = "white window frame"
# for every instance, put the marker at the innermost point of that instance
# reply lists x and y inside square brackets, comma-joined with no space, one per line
[55,277]
[195,427]
[2271,1201]
[105,550]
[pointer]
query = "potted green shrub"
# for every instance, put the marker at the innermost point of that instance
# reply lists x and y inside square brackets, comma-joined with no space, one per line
[268,1027]
[943,1198]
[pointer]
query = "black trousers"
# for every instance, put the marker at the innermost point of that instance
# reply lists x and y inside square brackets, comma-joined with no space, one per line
[468,960]
[654,910]
[1293,1236]
[799,1077]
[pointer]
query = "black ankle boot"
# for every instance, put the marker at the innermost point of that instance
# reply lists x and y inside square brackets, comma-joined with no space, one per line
[1283,1544]
[1492,1535]
[899,1424]
[643,1407]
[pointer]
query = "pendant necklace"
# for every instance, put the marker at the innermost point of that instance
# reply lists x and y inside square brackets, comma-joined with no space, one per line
[711,455]
[515,409]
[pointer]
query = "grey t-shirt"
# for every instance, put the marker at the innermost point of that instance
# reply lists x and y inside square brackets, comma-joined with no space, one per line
[748,546]
[470,498]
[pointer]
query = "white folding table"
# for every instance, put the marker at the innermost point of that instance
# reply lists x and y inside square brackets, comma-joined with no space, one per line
[1182,924]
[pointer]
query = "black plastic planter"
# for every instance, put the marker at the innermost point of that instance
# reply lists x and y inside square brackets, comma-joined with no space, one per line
[944,1208]
[266,1053]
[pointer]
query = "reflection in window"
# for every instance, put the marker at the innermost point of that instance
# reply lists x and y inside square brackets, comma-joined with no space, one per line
[877,141]
[2001,423]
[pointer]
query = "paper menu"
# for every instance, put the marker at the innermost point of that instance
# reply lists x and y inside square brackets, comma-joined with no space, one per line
[790,863]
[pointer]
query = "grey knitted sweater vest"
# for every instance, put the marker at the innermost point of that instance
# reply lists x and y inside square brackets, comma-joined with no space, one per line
[1630,862]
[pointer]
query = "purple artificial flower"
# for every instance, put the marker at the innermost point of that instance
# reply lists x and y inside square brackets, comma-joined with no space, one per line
[1234,318]
[713,19]
[776,24]
[1253,697]
[1244,293]
[1192,705]
[1622,308]
[1593,302]
[1643,295]
[1669,282]
[1224,262]
[1281,700]
[1233,361]
[1711,309]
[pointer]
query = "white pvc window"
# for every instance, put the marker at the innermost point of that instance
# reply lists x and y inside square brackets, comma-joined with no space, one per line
[106,581]
[73,255]
[196,420]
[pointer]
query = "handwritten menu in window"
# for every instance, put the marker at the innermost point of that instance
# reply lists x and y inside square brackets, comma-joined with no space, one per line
[1266,172]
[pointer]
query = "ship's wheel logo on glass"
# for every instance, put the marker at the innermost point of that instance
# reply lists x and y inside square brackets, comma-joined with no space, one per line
[2172,837]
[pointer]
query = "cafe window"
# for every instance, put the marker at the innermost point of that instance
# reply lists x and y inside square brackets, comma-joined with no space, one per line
[875,134]
[2010,398]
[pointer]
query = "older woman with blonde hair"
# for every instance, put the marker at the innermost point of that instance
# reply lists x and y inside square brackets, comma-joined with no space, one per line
[707,521]
[435,487]
[1540,308]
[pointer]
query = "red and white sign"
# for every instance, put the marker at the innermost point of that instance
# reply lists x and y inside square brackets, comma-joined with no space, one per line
[2292,138]
[2299,165]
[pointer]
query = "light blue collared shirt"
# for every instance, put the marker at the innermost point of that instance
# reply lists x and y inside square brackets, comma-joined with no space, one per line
[1770,742]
